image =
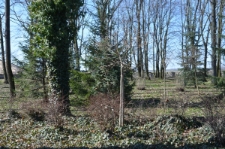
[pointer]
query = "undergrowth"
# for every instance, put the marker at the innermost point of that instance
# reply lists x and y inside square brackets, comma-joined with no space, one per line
[39,124]
[163,132]
[104,108]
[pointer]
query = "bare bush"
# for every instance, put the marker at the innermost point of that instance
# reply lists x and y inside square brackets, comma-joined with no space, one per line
[181,89]
[139,111]
[141,83]
[179,103]
[45,111]
[104,108]
[180,81]
[215,118]
[34,110]
[54,115]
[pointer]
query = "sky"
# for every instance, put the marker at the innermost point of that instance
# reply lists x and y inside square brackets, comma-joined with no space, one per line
[18,34]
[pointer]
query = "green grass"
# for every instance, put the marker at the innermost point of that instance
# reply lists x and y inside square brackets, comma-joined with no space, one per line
[175,99]
[154,89]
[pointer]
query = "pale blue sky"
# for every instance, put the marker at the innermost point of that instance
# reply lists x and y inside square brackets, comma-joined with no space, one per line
[17,35]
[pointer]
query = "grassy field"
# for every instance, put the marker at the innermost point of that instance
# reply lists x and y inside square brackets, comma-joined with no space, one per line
[170,98]
[153,119]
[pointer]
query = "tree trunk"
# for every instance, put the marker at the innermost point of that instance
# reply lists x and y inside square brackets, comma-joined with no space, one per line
[145,32]
[219,34]
[139,40]
[203,26]
[157,62]
[58,66]
[205,59]
[146,61]
[121,112]
[3,53]
[160,28]
[213,38]
[44,83]
[8,50]
[77,55]
[130,42]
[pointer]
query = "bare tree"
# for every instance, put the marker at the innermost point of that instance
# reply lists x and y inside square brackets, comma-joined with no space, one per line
[3,53]
[33,62]
[78,42]
[219,36]
[204,31]
[108,49]
[129,30]
[8,49]
[213,28]
[146,34]
[161,24]
[139,7]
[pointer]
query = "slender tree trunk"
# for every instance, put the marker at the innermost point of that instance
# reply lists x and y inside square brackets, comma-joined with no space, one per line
[146,61]
[183,48]
[44,84]
[205,59]
[145,31]
[161,64]
[157,62]
[155,45]
[153,55]
[3,53]
[121,112]
[160,28]
[205,43]
[203,27]
[182,35]
[213,38]
[8,50]
[165,95]
[138,7]
[219,34]
[130,43]
[77,55]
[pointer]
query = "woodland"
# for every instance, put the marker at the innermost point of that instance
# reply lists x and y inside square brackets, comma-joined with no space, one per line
[112,74]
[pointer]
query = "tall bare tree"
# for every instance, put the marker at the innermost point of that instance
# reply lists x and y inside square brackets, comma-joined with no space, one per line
[8,49]
[204,31]
[213,29]
[139,7]
[162,11]
[128,22]
[219,36]
[3,53]
[78,42]
[146,18]
[107,52]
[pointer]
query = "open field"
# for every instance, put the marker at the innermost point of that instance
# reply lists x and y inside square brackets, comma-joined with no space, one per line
[179,119]
[188,102]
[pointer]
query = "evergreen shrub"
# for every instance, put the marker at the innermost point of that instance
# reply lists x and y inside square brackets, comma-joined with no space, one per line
[82,87]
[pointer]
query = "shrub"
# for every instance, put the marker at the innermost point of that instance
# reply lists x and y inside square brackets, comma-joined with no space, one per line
[141,83]
[54,113]
[181,89]
[34,110]
[81,85]
[104,108]
[215,118]
[13,114]
[49,111]
[104,65]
